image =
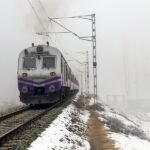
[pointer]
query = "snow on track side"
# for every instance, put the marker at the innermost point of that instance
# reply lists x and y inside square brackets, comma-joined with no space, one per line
[127,131]
[66,132]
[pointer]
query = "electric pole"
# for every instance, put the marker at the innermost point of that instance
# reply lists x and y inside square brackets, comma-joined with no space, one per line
[94,57]
[87,63]
[91,38]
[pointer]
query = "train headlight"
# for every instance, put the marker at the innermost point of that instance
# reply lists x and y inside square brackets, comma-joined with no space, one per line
[39,49]
[24,89]
[24,75]
[52,74]
[52,89]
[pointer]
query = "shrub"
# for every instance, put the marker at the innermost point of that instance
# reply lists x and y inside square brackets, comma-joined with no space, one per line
[118,126]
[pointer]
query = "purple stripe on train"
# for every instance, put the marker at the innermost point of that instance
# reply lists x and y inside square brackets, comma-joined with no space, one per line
[31,86]
[42,82]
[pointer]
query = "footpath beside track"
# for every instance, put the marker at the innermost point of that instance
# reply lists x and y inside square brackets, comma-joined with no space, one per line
[17,131]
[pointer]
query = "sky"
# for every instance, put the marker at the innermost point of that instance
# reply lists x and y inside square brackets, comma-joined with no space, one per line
[123,34]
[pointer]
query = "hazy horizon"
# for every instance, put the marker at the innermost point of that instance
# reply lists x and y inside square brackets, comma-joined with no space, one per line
[122,43]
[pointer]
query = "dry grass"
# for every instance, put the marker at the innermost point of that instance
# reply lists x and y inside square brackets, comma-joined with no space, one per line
[118,126]
[97,134]
[97,107]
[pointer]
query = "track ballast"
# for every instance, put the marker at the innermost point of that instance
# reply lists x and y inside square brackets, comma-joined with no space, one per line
[18,130]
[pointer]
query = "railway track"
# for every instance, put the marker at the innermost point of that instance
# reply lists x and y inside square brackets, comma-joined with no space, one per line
[16,129]
[3,117]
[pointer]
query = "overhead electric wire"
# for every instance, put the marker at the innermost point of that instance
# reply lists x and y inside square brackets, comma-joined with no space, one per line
[64,27]
[49,23]
[43,8]
[83,17]
[36,14]
[85,38]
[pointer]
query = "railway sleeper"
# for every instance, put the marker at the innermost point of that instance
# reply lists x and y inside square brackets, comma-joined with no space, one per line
[5,148]
[12,141]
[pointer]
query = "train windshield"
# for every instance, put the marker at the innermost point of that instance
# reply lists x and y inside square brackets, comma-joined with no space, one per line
[49,62]
[29,63]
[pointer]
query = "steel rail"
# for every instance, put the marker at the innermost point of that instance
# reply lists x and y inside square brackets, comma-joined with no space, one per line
[13,113]
[6,136]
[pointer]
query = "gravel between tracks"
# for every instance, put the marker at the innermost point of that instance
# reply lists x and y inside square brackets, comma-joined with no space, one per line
[15,120]
[22,140]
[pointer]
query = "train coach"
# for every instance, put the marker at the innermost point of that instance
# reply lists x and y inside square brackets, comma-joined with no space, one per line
[44,77]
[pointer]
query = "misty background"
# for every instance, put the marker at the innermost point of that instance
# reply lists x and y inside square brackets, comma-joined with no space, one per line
[123,47]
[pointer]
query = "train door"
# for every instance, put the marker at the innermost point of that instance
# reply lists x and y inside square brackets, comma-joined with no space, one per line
[66,75]
[63,70]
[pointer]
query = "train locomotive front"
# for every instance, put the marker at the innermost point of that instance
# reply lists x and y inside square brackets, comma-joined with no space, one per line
[44,76]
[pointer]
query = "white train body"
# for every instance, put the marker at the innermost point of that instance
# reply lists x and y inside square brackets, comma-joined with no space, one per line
[44,75]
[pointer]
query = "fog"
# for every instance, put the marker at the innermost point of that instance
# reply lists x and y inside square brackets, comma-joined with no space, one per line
[123,54]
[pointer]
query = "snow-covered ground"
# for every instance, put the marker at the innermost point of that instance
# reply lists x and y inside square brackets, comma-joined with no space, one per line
[66,132]
[9,106]
[130,131]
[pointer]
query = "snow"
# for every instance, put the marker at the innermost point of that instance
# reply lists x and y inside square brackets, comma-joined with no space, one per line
[91,102]
[58,136]
[129,142]
[77,97]
[142,120]
[6,107]
[120,117]
[128,131]
[127,139]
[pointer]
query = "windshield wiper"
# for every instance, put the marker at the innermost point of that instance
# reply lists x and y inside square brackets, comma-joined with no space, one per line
[45,65]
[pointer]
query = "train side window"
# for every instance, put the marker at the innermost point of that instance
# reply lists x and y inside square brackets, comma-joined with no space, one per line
[61,65]
[49,62]
[71,77]
[69,74]
[64,67]
[66,71]
[29,63]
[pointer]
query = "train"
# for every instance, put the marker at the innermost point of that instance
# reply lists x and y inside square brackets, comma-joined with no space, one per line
[44,76]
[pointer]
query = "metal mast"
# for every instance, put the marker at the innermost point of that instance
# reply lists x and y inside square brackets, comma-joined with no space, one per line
[91,38]
[94,57]
[87,63]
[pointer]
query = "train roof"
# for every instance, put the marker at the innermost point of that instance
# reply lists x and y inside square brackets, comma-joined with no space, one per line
[47,47]
[34,49]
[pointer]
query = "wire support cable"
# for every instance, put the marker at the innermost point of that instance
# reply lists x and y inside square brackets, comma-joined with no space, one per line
[37,16]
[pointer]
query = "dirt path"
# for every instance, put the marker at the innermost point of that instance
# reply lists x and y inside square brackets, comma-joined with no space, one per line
[97,133]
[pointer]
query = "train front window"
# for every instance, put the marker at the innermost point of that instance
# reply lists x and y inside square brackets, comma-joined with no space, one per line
[49,62]
[29,63]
